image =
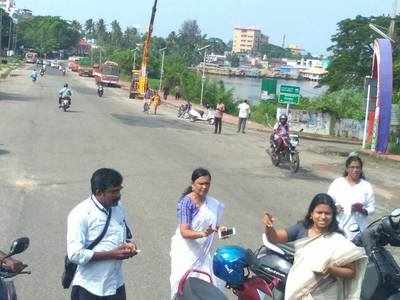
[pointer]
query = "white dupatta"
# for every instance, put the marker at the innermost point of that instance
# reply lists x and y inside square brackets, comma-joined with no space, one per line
[313,256]
[195,254]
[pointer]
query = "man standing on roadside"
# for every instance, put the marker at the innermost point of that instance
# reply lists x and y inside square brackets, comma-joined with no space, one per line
[218,114]
[99,272]
[244,113]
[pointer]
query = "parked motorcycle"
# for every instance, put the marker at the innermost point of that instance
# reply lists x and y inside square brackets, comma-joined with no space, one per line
[289,154]
[7,288]
[100,90]
[268,268]
[65,103]
[183,110]
[200,115]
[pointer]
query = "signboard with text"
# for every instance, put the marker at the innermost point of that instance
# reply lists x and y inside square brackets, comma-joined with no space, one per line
[289,94]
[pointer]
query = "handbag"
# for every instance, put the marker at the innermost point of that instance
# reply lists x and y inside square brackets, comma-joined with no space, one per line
[70,267]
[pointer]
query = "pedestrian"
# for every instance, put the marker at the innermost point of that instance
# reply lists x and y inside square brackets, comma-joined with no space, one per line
[353,195]
[177,92]
[199,217]
[99,272]
[155,101]
[244,113]
[218,114]
[166,92]
[326,264]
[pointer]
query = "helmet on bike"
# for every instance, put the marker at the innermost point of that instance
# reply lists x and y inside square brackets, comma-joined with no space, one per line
[283,119]
[229,263]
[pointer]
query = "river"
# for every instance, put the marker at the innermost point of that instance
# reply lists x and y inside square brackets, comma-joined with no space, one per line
[250,88]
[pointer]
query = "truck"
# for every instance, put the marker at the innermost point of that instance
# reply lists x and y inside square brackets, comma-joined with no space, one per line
[73,63]
[85,67]
[106,73]
[31,57]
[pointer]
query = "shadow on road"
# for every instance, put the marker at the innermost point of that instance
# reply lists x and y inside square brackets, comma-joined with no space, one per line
[152,121]
[306,174]
[75,111]
[14,97]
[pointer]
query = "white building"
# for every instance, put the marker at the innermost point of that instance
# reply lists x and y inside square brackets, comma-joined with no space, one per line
[7,5]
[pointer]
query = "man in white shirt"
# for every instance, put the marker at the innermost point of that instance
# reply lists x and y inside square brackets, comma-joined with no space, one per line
[99,272]
[244,112]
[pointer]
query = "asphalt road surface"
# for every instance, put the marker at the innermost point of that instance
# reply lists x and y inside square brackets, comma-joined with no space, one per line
[47,157]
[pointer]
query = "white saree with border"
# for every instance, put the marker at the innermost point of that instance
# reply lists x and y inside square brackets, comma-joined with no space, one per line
[195,254]
[312,257]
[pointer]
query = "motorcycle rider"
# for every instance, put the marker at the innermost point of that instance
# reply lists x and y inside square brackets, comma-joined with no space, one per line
[34,75]
[100,89]
[65,92]
[280,135]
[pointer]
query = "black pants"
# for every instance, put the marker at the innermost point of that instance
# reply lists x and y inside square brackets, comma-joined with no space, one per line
[242,124]
[79,293]
[217,124]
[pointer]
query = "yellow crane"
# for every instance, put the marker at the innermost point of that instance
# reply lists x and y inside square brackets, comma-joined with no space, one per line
[140,81]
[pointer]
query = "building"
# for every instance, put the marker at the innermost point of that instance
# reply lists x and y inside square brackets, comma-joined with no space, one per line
[247,39]
[22,13]
[7,5]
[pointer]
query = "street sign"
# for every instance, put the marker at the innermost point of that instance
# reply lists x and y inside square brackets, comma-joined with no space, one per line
[268,88]
[289,99]
[290,89]
[290,94]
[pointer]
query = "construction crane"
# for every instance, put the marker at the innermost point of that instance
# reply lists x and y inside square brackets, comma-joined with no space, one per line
[140,80]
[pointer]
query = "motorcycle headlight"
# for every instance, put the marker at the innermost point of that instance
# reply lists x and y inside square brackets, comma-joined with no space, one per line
[294,142]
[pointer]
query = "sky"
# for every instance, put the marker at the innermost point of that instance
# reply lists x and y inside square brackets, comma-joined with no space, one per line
[306,23]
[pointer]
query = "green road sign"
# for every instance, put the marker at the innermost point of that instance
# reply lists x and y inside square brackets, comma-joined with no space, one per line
[289,99]
[290,94]
[290,89]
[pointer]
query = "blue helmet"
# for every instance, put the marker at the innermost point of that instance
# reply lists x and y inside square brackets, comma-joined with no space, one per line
[229,263]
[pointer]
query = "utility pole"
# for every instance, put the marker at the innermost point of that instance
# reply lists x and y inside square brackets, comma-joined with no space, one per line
[392,32]
[162,67]
[1,31]
[284,41]
[203,77]
[9,37]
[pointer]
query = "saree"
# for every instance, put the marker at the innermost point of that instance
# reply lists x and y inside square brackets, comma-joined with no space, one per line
[195,254]
[306,280]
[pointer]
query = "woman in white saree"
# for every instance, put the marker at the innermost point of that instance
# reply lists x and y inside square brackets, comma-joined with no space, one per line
[199,217]
[326,264]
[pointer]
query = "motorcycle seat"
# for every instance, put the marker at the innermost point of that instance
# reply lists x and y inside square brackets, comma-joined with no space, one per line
[288,249]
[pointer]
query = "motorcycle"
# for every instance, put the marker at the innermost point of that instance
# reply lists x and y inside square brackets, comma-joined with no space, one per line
[7,288]
[63,71]
[269,266]
[289,154]
[200,115]
[183,110]
[42,71]
[65,103]
[100,91]
[34,78]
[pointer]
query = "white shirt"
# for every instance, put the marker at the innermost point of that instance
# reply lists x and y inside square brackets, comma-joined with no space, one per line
[244,110]
[346,195]
[86,221]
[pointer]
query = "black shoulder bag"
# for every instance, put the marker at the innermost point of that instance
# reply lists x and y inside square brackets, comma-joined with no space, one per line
[70,267]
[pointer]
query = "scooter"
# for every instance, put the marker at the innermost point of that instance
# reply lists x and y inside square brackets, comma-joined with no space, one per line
[268,268]
[200,115]
[183,110]
[7,288]
[100,91]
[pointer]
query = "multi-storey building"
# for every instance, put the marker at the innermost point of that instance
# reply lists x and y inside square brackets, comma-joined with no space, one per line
[247,39]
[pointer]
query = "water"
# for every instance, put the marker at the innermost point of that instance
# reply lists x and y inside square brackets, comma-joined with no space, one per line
[250,88]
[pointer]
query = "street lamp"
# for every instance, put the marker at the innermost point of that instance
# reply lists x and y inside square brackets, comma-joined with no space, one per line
[134,55]
[162,67]
[203,77]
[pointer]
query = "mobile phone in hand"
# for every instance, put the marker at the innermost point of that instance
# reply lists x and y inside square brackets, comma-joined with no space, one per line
[226,233]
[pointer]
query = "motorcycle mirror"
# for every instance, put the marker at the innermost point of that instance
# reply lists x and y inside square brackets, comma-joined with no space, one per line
[18,246]
[354,228]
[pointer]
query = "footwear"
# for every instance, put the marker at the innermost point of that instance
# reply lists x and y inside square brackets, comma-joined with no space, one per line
[243,132]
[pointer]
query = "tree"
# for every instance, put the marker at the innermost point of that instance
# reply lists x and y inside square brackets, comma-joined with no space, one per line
[116,34]
[77,26]
[217,46]
[352,52]
[47,34]
[100,31]
[189,40]
[89,29]
[234,60]
[130,38]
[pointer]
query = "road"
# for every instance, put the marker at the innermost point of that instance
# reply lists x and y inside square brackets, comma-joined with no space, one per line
[47,157]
